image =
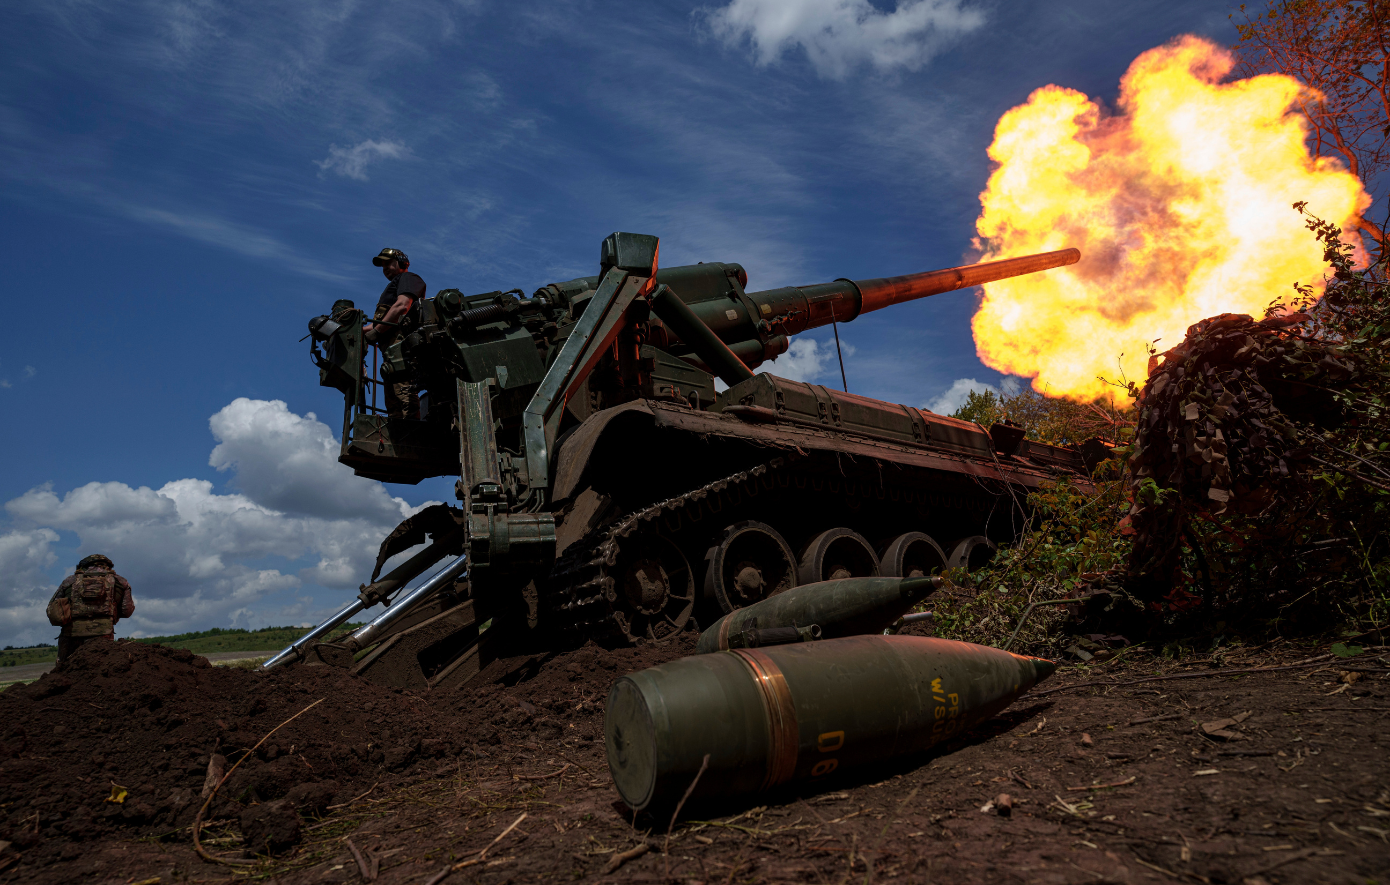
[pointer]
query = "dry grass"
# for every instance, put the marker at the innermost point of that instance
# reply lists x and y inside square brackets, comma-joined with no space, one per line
[243,663]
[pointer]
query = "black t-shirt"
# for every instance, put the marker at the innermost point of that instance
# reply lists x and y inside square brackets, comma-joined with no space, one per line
[405,284]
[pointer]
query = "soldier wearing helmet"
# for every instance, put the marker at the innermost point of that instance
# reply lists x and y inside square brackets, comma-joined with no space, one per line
[88,604]
[397,314]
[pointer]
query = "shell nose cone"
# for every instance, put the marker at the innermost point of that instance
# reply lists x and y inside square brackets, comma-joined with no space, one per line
[921,586]
[1041,668]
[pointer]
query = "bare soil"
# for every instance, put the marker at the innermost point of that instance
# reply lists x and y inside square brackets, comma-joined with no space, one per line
[1115,783]
[30,672]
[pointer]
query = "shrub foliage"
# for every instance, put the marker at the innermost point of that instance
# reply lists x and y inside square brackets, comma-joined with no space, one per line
[1253,491]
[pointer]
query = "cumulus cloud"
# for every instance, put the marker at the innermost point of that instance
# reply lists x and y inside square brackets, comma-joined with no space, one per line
[954,397]
[839,35]
[290,463]
[198,557]
[25,557]
[807,359]
[351,162]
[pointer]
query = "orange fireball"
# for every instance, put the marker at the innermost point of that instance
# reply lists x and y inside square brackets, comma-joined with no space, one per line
[1181,205]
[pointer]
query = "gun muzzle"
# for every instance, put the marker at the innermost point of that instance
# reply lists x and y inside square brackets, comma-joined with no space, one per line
[886,291]
[794,309]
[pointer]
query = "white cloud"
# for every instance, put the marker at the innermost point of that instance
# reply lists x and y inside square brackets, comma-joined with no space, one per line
[25,556]
[955,395]
[352,162]
[807,359]
[482,90]
[27,373]
[838,35]
[289,463]
[217,231]
[196,557]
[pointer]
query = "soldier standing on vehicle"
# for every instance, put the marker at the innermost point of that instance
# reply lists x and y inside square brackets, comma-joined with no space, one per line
[88,604]
[397,315]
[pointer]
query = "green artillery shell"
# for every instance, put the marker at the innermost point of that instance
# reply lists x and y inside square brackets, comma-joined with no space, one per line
[771,716]
[842,608]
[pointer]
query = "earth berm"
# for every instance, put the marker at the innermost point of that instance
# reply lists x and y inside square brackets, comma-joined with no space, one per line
[1145,782]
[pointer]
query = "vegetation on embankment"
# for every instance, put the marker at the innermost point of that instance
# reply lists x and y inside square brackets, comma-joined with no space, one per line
[204,642]
[1266,518]
[1073,536]
[1251,503]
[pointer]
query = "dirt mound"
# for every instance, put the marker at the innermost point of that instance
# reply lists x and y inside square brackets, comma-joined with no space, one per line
[147,720]
[1125,782]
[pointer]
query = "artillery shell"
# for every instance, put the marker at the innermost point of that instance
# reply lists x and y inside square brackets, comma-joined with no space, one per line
[788,713]
[847,607]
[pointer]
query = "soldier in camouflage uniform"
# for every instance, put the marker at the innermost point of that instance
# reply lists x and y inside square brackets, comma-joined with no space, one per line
[397,315]
[89,603]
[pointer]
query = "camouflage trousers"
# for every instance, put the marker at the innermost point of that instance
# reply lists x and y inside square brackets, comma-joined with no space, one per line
[402,398]
[67,643]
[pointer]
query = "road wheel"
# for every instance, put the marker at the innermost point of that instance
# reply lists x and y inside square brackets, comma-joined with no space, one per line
[655,590]
[912,555]
[835,554]
[751,562]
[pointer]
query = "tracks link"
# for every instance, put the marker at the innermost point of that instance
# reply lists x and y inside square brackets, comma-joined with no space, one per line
[583,595]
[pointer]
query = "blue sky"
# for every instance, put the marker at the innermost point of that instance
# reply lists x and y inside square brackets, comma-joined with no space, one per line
[185,183]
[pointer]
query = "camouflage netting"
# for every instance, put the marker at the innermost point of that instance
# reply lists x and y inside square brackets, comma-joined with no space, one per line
[1258,477]
[1227,421]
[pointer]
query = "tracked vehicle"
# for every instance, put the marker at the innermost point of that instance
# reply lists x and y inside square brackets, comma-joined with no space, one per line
[609,491]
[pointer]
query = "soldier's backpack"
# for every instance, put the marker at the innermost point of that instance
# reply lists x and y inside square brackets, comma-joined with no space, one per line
[91,596]
[59,612]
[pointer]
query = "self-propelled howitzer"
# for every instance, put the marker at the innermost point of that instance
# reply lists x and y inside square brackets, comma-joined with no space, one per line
[608,490]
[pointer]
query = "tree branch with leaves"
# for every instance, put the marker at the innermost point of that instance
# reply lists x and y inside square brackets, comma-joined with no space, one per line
[1340,49]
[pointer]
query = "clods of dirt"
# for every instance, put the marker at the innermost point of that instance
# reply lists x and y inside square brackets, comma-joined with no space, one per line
[117,742]
[508,776]
[271,827]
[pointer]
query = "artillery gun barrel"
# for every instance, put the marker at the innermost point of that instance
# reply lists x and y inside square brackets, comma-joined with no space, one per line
[730,332]
[794,309]
[886,291]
